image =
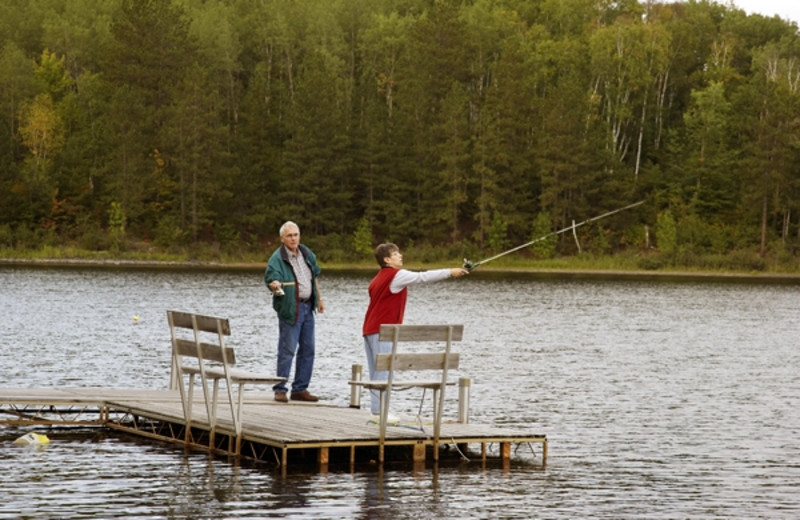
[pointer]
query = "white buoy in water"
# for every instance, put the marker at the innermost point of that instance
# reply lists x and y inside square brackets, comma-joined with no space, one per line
[32,438]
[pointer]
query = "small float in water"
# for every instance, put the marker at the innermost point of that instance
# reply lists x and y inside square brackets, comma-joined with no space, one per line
[32,439]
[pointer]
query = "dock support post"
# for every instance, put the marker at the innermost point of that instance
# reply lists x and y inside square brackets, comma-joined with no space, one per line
[463,400]
[324,456]
[505,450]
[419,452]
[355,390]
[544,453]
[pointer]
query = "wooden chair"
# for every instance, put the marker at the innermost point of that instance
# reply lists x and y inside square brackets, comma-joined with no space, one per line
[197,355]
[442,361]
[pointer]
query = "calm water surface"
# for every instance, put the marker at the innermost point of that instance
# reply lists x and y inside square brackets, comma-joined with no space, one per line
[660,399]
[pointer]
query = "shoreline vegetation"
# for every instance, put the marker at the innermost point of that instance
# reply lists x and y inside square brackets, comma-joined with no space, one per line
[453,129]
[568,267]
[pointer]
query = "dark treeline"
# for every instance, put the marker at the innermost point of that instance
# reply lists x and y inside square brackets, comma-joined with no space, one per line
[468,126]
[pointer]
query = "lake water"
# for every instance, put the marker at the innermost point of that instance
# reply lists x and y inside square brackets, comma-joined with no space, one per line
[660,398]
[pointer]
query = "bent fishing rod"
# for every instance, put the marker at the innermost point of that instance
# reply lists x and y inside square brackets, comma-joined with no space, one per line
[469,266]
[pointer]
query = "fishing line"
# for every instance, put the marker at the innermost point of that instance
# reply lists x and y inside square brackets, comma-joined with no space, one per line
[472,265]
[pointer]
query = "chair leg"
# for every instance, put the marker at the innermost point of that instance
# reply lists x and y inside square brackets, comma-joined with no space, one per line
[189,398]
[213,419]
[237,424]
[384,416]
[187,409]
[437,421]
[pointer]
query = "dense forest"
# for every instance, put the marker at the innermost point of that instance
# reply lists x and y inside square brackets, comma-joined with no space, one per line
[465,126]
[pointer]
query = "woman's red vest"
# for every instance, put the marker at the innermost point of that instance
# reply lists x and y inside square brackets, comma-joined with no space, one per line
[384,306]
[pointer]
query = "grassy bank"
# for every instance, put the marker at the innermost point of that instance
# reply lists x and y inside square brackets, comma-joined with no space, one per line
[742,263]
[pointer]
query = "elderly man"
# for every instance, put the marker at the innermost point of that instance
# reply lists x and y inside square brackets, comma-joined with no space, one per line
[291,275]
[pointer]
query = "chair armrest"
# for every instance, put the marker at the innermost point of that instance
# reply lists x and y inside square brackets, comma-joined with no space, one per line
[382,385]
[211,372]
[246,376]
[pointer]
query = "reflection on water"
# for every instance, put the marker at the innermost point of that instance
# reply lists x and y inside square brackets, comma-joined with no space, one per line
[660,399]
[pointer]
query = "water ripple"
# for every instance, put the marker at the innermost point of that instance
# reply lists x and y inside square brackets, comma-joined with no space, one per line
[660,399]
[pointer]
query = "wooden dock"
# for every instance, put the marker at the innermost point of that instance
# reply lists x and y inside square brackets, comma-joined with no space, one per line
[284,434]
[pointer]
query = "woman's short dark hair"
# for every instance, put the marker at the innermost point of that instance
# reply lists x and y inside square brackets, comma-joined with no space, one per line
[384,251]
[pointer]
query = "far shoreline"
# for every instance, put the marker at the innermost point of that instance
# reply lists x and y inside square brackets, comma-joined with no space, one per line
[489,272]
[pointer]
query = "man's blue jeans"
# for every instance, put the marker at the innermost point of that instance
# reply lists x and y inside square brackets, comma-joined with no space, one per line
[297,339]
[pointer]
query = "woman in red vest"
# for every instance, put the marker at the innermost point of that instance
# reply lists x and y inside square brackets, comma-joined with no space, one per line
[388,293]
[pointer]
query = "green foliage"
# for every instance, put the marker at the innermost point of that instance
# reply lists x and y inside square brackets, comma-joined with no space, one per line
[226,235]
[28,239]
[601,243]
[116,226]
[442,255]
[693,235]
[52,75]
[456,128]
[332,247]
[169,235]
[544,245]
[498,231]
[362,238]
[666,232]
[651,263]
[90,235]
[635,236]
[6,236]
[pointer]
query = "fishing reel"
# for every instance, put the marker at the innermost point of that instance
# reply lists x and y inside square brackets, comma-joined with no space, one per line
[469,266]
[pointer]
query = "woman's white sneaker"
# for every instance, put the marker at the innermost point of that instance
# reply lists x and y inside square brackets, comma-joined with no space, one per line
[391,419]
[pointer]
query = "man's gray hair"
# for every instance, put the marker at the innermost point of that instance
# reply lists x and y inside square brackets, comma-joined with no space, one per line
[287,224]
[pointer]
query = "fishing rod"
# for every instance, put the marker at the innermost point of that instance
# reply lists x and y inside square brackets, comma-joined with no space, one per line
[470,265]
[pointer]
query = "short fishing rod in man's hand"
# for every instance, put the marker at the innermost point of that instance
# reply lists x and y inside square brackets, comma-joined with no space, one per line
[472,265]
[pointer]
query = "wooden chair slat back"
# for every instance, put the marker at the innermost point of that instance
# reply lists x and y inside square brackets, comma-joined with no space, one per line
[204,323]
[417,361]
[421,332]
[209,352]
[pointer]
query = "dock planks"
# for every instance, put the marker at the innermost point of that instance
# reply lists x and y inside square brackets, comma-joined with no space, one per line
[270,431]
